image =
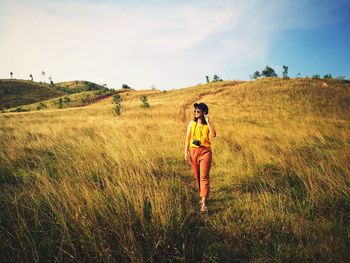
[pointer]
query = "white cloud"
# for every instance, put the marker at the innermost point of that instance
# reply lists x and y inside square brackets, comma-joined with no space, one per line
[165,44]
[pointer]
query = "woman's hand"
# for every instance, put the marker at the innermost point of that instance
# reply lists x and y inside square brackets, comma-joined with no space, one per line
[187,157]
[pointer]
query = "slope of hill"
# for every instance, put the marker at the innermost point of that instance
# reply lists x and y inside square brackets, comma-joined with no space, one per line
[78,86]
[19,92]
[67,101]
[81,184]
[15,93]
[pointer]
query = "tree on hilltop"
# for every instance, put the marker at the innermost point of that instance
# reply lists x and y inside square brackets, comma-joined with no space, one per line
[285,72]
[255,75]
[268,72]
[31,77]
[216,78]
[50,80]
[43,75]
[124,86]
[11,74]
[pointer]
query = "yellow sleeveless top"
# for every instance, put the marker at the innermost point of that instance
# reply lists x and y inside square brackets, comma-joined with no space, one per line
[200,132]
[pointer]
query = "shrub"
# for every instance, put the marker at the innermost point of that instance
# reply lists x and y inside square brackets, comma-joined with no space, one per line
[59,103]
[41,106]
[86,100]
[144,102]
[66,100]
[327,76]
[316,76]
[117,100]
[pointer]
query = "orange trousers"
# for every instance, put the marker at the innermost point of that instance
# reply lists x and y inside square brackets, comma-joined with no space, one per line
[201,162]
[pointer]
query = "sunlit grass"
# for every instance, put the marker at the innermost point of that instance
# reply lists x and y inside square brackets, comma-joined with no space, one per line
[81,184]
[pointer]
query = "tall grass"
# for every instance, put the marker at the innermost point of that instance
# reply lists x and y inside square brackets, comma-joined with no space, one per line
[80,184]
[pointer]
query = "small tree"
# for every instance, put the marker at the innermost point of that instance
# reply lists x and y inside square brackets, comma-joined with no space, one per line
[11,74]
[256,75]
[207,78]
[268,72]
[285,72]
[327,76]
[50,80]
[216,78]
[60,103]
[66,100]
[124,86]
[117,99]
[31,77]
[43,76]
[316,76]
[144,101]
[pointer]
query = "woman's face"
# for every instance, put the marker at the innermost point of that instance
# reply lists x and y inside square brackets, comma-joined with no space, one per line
[198,113]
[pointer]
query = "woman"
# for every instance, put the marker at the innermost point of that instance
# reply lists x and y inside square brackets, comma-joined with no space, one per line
[198,151]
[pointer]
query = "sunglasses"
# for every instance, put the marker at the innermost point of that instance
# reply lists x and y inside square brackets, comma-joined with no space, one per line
[199,111]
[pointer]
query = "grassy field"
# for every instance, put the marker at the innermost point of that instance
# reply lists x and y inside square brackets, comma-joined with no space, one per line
[79,184]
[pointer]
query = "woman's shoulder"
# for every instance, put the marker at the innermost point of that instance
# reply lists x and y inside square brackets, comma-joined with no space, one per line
[190,123]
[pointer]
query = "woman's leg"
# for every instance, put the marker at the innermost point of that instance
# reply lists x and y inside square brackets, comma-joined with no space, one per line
[204,169]
[195,166]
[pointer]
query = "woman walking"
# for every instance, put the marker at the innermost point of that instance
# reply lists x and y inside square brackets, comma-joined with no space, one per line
[198,151]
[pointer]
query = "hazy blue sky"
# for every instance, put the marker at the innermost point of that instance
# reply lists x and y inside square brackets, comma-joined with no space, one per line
[172,44]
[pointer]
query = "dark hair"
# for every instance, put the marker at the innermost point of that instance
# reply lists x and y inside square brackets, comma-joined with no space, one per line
[203,120]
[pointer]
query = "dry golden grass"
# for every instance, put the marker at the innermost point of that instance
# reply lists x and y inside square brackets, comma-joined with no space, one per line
[80,184]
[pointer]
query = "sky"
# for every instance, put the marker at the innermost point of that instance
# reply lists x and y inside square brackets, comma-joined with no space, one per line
[172,44]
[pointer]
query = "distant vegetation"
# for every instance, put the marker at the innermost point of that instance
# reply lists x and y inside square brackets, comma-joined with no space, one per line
[270,72]
[216,78]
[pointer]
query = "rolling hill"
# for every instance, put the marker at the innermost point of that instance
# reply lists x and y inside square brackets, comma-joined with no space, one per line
[15,93]
[81,184]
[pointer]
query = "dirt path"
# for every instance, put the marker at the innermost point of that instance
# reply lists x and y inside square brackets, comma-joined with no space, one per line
[184,111]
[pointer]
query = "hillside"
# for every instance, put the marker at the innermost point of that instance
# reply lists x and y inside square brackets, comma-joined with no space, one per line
[19,92]
[78,86]
[15,93]
[80,99]
[81,184]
